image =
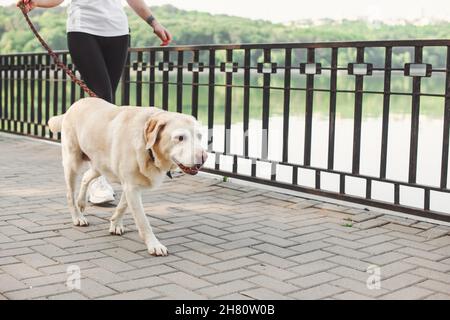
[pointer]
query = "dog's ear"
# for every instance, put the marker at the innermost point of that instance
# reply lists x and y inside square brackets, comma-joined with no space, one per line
[152,128]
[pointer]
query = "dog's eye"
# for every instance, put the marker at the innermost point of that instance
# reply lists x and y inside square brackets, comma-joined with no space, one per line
[180,138]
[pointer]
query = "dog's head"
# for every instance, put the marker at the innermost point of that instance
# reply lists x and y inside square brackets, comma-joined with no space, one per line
[175,140]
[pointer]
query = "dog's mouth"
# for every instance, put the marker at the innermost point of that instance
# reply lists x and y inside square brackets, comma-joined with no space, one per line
[188,170]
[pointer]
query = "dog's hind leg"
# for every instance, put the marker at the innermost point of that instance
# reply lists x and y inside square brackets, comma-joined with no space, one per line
[116,226]
[88,176]
[134,199]
[71,166]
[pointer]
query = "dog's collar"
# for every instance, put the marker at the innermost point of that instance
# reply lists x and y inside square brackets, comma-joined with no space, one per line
[152,157]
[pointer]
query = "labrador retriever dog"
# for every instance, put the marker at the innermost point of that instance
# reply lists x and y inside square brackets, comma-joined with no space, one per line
[134,146]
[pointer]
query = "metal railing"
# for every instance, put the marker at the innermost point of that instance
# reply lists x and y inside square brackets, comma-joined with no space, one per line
[241,91]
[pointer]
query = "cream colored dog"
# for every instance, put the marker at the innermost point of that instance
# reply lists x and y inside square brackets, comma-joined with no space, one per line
[130,145]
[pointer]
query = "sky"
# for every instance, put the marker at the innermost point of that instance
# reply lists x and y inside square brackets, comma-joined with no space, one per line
[292,10]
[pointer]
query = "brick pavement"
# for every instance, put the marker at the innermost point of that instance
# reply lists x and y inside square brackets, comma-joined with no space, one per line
[226,241]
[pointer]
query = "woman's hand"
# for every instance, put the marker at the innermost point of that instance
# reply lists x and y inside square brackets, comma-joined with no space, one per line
[28,4]
[162,33]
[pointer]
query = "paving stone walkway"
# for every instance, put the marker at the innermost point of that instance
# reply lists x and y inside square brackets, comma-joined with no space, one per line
[226,241]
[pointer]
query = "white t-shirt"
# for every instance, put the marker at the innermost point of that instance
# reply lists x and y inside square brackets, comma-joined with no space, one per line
[98,17]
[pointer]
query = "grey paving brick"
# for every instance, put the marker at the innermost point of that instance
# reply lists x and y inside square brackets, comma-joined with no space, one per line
[14,252]
[140,294]
[344,251]
[68,296]
[174,291]
[344,243]
[276,250]
[101,275]
[62,242]
[112,264]
[369,224]
[21,271]
[60,278]
[8,260]
[385,258]
[432,274]
[36,260]
[236,253]
[409,293]
[376,239]
[395,268]
[347,272]
[197,257]
[234,296]
[263,294]
[233,264]
[435,232]
[312,267]
[72,258]
[202,247]
[129,285]
[226,288]
[272,271]
[227,276]
[93,289]
[311,256]
[434,285]
[319,292]
[273,260]
[147,272]
[314,279]
[380,248]
[37,292]
[421,253]
[50,250]
[267,282]
[438,296]
[350,295]
[400,281]
[191,268]
[359,287]
[310,246]
[186,280]
[349,262]
[278,241]
[8,283]
[242,243]
[212,231]
[442,267]
[361,217]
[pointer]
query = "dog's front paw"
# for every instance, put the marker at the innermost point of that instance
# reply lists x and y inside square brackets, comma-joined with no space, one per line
[116,228]
[80,221]
[157,249]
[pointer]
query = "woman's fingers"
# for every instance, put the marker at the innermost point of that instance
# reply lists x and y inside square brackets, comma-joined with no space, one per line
[28,4]
[168,35]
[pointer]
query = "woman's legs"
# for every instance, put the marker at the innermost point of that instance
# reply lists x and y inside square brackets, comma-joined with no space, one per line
[87,56]
[115,51]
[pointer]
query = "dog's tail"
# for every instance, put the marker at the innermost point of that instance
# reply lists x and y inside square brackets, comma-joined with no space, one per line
[55,123]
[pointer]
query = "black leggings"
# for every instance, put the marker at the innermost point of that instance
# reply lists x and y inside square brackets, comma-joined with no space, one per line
[100,60]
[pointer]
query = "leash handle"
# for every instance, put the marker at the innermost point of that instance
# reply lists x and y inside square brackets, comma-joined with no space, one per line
[57,61]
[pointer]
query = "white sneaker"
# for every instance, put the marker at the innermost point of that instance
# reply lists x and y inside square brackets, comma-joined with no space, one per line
[100,191]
